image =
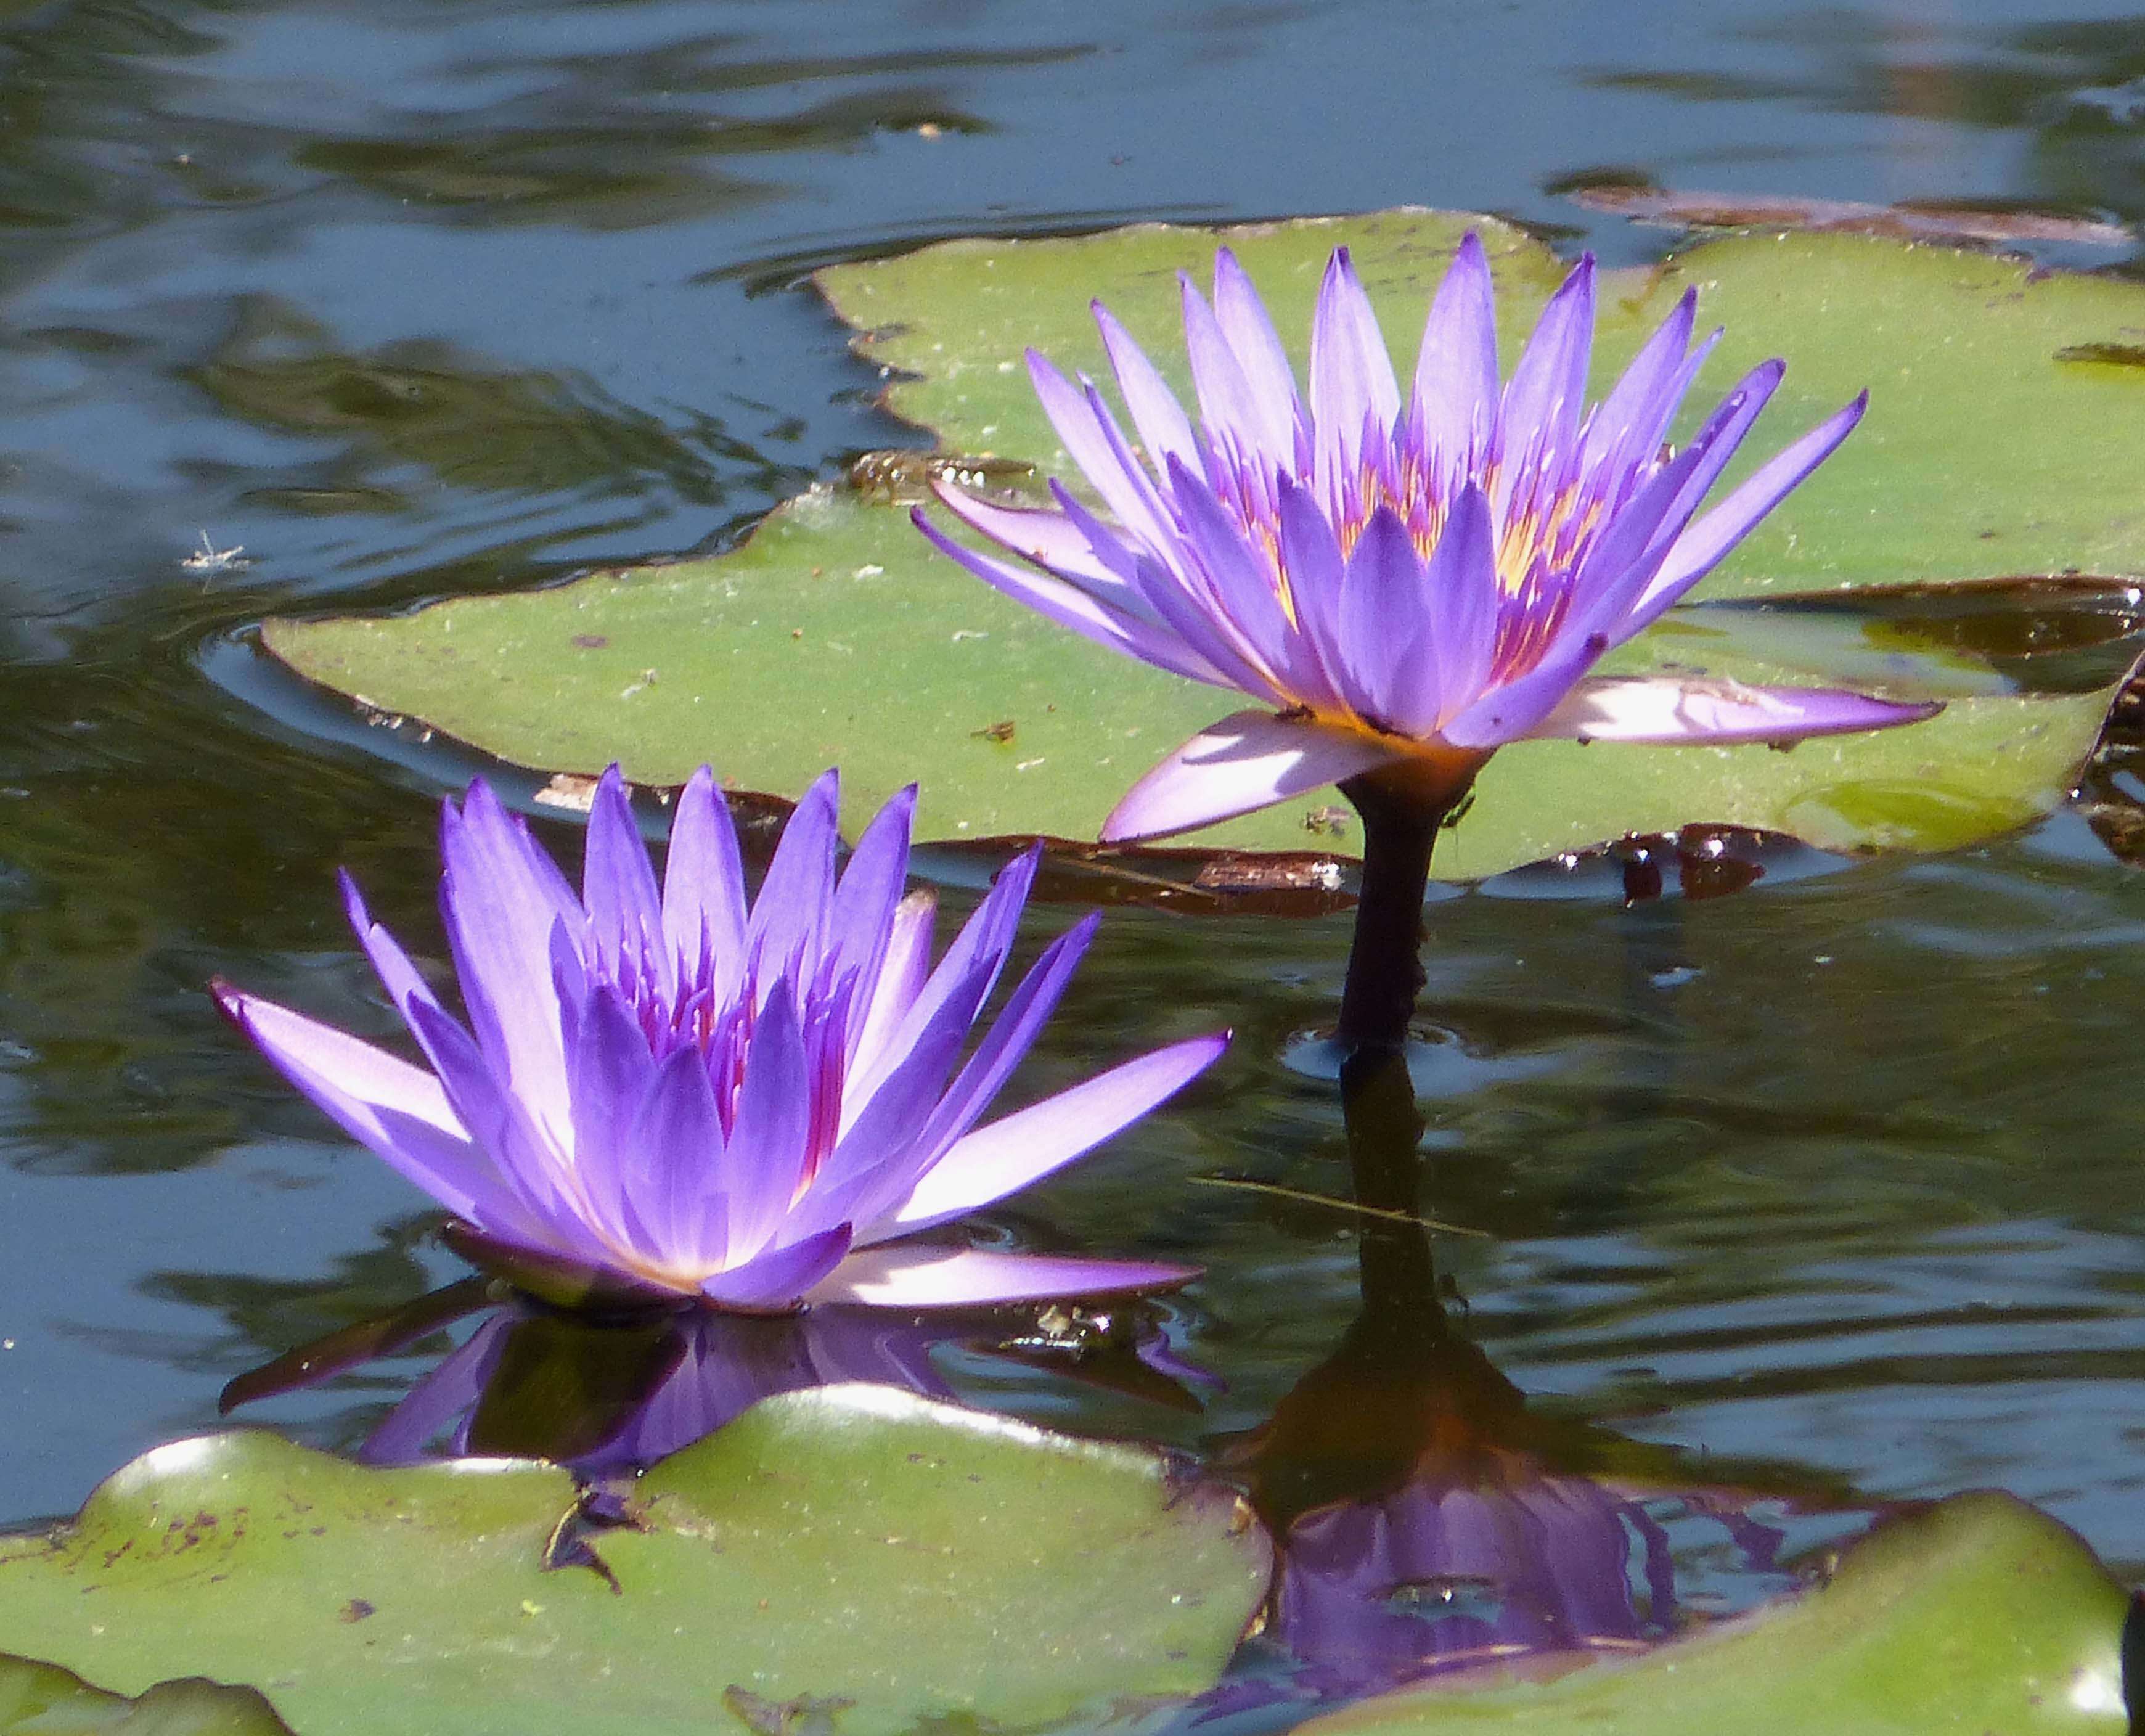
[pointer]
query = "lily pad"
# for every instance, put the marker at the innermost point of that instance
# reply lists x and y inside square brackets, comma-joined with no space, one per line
[876,1556]
[41,1699]
[832,635]
[1978,1613]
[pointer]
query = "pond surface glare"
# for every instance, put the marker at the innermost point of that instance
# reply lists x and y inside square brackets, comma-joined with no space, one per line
[1828,1186]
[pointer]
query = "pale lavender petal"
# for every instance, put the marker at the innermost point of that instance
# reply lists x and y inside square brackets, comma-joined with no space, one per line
[1351,375]
[1702,547]
[1644,398]
[1069,606]
[1259,350]
[703,910]
[626,911]
[1250,760]
[1023,1147]
[1722,433]
[501,897]
[1083,422]
[1666,710]
[1163,427]
[1240,608]
[788,919]
[1548,389]
[901,977]
[395,1111]
[769,1140]
[782,1276]
[1237,421]
[1456,371]
[901,1275]
[1050,540]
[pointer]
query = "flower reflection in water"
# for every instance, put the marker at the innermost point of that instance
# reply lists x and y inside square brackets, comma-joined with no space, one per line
[611,1395]
[1430,1524]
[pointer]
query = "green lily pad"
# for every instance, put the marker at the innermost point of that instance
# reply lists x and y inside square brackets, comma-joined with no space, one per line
[832,635]
[1977,1614]
[835,635]
[41,1699]
[852,1549]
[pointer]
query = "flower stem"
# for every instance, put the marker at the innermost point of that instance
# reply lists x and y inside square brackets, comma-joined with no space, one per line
[1401,815]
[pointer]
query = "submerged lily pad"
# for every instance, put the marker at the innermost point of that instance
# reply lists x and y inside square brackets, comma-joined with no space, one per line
[1978,1613]
[833,635]
[877,1555]
[41,1699]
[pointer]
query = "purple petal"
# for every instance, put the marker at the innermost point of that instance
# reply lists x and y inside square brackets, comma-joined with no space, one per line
[1701,547]
[1450,660]
[901,1275]
[704,884]
[1250,760]
[1509,712]
[501,897]
[676,1140]
[440,1397]
[1069,606]
[1083,423]
[1381,608]
[1053,541]
[1312,560]
[625,912]
[1030,1144]
[397,1111]
[1027,1010]
[1637,410]
[868,894]
[1548,386]
[1351,375]
[769,1140]
[1239,424]
[1163,427]
[780,1277]
[984,941]
[608,1070]
[1455,371]
[1665,711]
[787,925]
[1259,350]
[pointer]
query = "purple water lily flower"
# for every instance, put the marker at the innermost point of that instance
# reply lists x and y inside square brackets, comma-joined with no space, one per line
[663,1095]
[1408,582]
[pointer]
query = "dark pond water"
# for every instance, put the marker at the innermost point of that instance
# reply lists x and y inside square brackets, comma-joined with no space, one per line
[1833,1180]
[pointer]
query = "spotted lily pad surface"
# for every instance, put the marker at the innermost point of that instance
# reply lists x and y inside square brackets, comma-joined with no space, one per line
[854,1549]
[1978,1614]
[831,635]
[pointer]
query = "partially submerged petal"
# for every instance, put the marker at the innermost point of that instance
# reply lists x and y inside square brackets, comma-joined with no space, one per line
[1665,711]
[902,1274]
[1248,760]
